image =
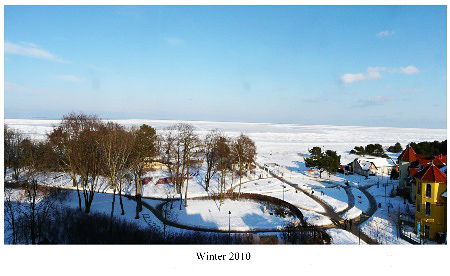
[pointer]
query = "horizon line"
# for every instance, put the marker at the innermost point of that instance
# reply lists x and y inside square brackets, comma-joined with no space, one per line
[261,123]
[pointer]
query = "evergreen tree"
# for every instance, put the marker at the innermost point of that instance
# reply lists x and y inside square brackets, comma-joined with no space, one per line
[395,148]
[328,161]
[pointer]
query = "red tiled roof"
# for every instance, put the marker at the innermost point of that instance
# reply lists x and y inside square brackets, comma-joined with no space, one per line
[408,155]
[424,156]
[442,158]
[438,162]
[431,173]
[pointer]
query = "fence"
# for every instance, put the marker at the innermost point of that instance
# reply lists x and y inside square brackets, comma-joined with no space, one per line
[410,237]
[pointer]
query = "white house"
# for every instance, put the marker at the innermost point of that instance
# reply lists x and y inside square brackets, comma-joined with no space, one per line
[372,165]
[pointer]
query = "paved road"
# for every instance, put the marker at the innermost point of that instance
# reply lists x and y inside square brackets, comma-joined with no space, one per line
[351,199]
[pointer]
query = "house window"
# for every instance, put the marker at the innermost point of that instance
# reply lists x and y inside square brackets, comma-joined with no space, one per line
[427,231]
[419,188]
[427,208]
[418,205]
[428,192]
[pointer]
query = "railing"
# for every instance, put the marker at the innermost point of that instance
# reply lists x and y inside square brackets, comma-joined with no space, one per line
[411,238]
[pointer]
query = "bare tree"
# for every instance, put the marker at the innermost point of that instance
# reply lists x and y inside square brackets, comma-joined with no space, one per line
[180,143]
[10,213]
[70,142]
[210,151]
[90,166]
[33,162]
[190,143]
[13,152]
[116,149]
[244,153]
[223,163]
[144,150]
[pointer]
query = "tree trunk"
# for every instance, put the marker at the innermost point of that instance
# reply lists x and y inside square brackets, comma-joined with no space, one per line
[137,207]
[137,195]
[185,193]
[112,204]
[240,185]
[232,176]
[33,208]
[78,192]
[120,198]
[13,224]
[112,210]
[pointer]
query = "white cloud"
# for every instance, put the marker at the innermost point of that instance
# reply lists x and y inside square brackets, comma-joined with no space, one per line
[30,50]
[173,40]
[385,33]
[68,78]
[372,73]
[411,69]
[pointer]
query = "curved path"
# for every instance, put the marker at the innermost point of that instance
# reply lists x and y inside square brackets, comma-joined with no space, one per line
[158,213]
[351,200]
[334,217]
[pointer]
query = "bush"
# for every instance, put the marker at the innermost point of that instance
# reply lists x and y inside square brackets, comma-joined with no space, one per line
[295,233]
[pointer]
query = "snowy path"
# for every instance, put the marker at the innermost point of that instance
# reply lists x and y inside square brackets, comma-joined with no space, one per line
[158,213]
[334,216]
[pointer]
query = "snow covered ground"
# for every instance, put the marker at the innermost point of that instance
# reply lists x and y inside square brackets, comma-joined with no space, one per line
[274,187]
[340,236]
[284,144]
[381,226]
[245,215]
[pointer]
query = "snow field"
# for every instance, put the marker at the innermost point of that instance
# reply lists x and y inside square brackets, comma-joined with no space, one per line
[273,187]
[284,144]
[245,215]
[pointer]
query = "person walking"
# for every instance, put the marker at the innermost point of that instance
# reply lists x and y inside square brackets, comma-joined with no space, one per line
[345,224]
[350,223]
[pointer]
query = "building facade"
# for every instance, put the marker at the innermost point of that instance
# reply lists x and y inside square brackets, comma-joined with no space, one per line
[409,163]
[431,202]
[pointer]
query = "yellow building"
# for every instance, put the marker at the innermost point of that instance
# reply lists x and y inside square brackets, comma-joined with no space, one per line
[431,202]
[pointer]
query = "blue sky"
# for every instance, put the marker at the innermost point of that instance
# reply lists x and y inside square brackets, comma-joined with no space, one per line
[336,65]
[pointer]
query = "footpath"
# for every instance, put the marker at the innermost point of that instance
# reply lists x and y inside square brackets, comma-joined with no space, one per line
[334,217]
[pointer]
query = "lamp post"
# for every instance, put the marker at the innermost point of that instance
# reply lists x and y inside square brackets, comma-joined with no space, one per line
[229,226]
[283,190]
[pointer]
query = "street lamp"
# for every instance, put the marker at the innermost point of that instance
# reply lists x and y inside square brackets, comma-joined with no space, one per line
[229,226]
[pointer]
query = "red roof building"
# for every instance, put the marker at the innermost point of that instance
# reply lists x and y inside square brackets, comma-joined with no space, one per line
[422,166]
[431,173]
[408,155]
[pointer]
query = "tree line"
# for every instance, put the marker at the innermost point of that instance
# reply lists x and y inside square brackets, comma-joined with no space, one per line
[86,149]
[370,149]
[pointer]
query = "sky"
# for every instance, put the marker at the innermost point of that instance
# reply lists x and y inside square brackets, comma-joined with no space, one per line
[331,65]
